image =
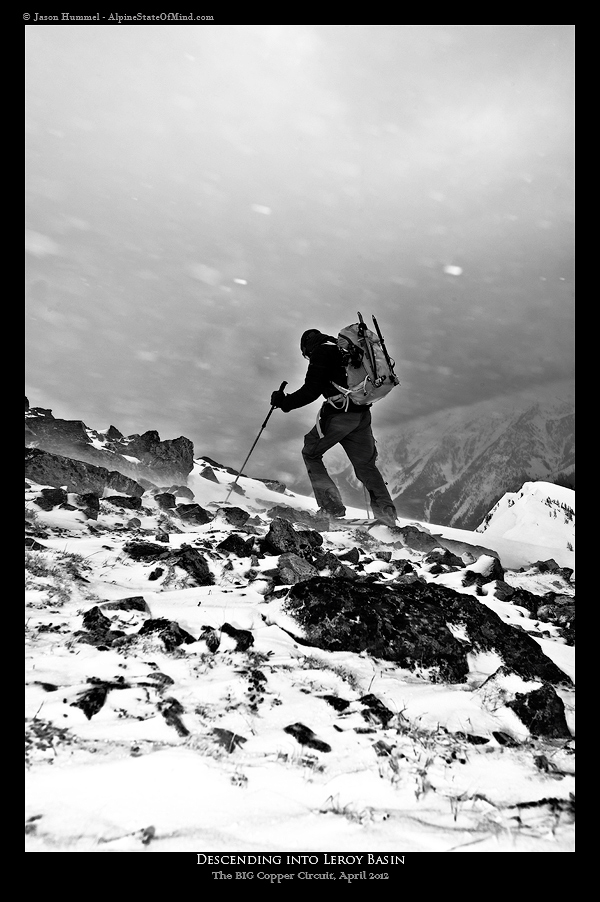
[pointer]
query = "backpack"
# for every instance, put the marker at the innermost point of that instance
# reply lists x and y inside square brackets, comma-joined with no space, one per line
[369,367]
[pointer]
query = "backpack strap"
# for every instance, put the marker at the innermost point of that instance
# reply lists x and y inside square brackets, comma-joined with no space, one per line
[341,401]
[346,392]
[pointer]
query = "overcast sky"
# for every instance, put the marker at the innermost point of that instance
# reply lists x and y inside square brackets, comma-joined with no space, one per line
[197,197]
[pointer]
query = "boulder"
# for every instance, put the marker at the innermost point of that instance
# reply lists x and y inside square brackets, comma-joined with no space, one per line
[282,537]
[193,513]
[126,502]
[235,544]
[56,470]
[299,517]
[168,631]
[542,712]
[293,569]
[165,500]
[194,564]
[235,516]
[48,499]
[409,624]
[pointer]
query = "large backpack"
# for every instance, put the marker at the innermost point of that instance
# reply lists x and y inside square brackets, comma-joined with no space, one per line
[369,367]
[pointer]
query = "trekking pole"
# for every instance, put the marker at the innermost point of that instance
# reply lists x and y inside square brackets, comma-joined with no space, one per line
[241,470]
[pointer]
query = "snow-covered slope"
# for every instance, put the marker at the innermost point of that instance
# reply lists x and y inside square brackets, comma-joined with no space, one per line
[209,747]
[541,513]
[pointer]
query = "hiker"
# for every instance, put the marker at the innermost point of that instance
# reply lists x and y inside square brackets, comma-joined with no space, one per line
[338,422]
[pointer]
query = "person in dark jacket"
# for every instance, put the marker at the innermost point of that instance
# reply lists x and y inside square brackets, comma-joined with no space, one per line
[337,423]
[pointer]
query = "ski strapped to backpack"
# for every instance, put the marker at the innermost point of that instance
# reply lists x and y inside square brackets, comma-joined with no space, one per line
[369,367]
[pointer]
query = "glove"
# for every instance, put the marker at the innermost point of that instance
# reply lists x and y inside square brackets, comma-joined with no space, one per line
[278,399]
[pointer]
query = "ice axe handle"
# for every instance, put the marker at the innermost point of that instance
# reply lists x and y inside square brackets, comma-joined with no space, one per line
[281,388]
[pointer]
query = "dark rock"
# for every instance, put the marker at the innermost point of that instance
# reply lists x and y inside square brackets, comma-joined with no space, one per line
[305,736]
[559,610]
[212,638]
[244,638]
[33,545]
[208,473]
[168,630]
[293,569]
[282,537]
[299,517]
[193,513]
[504,738]
[171,710]
[89,503]
[146,551]
[417,539]
[375,711]
[274,485]
[502,591]
[353,556]
[328,561]
[528,600]
[549,566]
[56,470]
[405,568]
[94,620]
[492,570]
[194,564]
[181,491]
[97,630]
[165,500]
[172,458]
[310,538]
[134,603]
[342,615]
[92,700]
[213,463]
[50,433]
[234,544]
[235,516]
[48,499]
[444,558]
[339,704]
[125,502]
[542,712]
[229,740]
[156,574]
[409,624]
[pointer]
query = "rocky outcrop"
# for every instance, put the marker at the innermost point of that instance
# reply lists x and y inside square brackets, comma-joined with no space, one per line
[410,625]
[157,462]
[56,470]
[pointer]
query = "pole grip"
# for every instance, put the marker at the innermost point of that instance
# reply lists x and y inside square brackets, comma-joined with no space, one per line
[282,386]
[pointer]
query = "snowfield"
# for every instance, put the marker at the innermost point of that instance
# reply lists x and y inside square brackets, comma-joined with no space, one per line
[212,748]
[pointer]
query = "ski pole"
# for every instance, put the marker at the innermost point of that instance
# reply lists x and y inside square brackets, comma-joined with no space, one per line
[241,470]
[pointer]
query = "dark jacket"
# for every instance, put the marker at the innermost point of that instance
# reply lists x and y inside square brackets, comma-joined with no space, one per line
[325,367]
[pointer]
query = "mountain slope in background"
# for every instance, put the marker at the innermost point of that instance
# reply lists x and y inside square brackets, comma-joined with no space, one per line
[453,466]
[243,677]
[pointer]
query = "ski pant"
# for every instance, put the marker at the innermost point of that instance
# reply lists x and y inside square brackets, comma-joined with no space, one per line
[353,432]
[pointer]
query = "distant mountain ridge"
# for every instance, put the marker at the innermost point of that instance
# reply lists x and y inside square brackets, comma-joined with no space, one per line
[452,467]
